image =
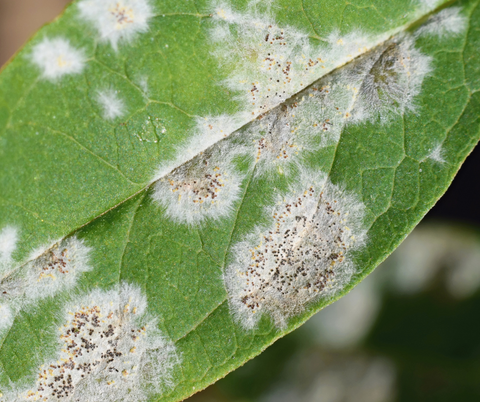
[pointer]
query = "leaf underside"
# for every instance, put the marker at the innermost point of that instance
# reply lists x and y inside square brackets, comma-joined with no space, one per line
[101,156]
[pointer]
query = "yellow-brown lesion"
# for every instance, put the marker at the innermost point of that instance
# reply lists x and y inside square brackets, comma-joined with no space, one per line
[123,15]
[62,62]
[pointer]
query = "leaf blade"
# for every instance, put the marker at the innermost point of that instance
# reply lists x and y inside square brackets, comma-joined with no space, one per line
[188,293]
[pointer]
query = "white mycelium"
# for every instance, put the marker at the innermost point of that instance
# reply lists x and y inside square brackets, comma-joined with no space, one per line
[117,20]
[109,350]
[8,244]
[426,5]
[6,316]
[204,188]
[305,123]
[446,23]
[56,269]
[50,271]
[272,62]
[387,80]
[437,154]
[303,254]
[207,132]
[112,105]
[377,86]
[57,57]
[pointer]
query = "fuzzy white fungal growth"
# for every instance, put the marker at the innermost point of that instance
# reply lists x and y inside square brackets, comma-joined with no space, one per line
[208,131]
[55,270]
[57,57]
[204,188]
[8,285]
[437,154]
[426,5]
[12,288]
[379,85]
[6,317]
[305,123]
[112,106]
[117,20]
[8,244]
[271,63]
[387,80]
[303,254]
[49,271]
[143,84]
[448,22]
[277,145]
[109,350]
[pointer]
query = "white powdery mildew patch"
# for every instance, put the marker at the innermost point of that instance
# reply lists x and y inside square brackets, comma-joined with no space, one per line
[204,188]
[117,20]
[6,317]
[378,86]
[109,350]
[48,272]
[8,244]
[437,154]
[302,255]
[448,22]
[272,62]
[274,142]
[55,270]
[57,57]
[142,82]
[428,5]
[387,80]
[310,121]
[112,105]
[208,131]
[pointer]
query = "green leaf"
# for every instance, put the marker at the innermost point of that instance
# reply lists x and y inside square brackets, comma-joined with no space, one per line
[184,183]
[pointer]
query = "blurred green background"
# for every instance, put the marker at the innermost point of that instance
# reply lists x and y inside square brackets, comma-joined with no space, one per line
[410,332]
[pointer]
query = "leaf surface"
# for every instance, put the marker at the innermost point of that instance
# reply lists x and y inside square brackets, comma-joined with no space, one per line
[215,172]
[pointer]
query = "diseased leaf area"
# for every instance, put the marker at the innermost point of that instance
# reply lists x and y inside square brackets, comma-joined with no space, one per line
[184,183]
